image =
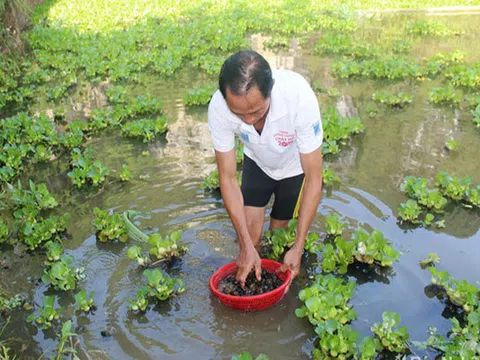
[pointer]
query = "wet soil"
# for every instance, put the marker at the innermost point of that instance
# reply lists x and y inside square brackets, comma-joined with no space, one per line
[269,281]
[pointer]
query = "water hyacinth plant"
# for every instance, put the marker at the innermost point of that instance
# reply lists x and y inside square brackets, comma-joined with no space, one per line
[460,293]
[398,100]
[145,129]
[47,314]
[60,275]
[334,226]
[327,298]
[430,260]
[461,342]
[135,253]
[85,302]
[200,95]
[164,248]
[160,286]
[247,356]
[392,337]
[109,226]
[329,177]
[365,248]
[446,95]
[279,239]
[336,341]
[85,169]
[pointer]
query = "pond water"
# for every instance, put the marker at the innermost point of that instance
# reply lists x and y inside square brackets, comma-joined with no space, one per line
[396,143]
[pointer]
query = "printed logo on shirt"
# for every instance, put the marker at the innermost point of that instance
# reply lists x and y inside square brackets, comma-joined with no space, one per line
[316,128]
[244,137]
[284,139]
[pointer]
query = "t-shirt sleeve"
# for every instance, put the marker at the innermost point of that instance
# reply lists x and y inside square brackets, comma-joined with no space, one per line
[308,122]
[223,136]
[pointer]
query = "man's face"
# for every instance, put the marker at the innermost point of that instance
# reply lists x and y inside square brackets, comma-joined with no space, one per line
[251,108]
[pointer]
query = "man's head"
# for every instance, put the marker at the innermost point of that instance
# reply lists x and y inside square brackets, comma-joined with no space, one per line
[246,84]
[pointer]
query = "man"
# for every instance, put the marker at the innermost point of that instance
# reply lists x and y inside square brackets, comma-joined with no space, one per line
[277,117]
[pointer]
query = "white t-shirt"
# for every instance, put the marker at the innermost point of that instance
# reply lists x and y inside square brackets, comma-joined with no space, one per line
[293,126]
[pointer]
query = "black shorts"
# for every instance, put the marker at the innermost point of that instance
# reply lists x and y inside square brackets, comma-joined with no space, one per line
[258,187]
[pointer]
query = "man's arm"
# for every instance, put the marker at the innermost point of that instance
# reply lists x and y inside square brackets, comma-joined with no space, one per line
[248,258]
[311,194]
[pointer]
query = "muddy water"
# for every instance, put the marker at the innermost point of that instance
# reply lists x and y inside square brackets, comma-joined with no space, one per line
[168,195]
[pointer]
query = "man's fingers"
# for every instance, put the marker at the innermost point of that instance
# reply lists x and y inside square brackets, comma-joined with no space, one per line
[283,268]
[241,276]
[288,285]
[258,271]
[294,274]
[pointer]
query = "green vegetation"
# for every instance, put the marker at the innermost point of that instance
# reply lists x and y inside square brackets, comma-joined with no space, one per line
[110,226]
[247,356]
[162,248]
[84,302]
[327,299]
[398,100]
[280,238]
[47,314]
[338,129]
[334,225]
[146,129]
[125,174]
[29,208]
[77,43]
[451,145]
[425,198]
[200,95]
[212,181]
[430,28]
[329,178]
[336,341]
[446,95]
[430,260]
[85,169]
[365,248]
[60,275]
[394,340]
[460,293]
[66,347]
[160,286]
[460,342]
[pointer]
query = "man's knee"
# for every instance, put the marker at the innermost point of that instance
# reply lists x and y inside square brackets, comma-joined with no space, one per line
[275,223]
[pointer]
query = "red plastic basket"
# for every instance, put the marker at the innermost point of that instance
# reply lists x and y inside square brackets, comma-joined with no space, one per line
[255,302]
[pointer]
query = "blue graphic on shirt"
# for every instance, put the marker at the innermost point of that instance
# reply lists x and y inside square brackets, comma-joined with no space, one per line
[244,137]
[316,128]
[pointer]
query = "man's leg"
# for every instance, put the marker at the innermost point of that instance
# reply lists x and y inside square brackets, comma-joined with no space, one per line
[257,189]
[288,193]
[255,219]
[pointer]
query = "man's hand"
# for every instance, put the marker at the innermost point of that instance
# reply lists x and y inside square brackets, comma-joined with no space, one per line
[292,261]
[248,259]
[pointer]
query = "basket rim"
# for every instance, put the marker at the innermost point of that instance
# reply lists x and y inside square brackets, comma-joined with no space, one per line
[249,298]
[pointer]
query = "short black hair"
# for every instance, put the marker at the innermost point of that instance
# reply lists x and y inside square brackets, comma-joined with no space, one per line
[244,70]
